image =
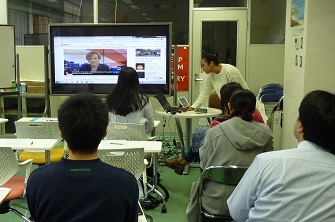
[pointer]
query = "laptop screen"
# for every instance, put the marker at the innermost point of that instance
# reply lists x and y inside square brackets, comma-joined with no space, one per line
[163,101]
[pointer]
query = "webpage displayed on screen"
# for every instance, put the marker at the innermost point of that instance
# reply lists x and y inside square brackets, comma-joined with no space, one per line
[146,54]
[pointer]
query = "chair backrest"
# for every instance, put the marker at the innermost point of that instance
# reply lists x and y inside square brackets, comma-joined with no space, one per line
[130,159]
[126,131]
[269,91]
[9,165]
[228,174]
[271,97]
[37,130]
[276,86]
[214,101]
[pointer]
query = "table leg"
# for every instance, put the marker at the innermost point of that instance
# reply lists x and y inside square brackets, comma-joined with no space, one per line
[188,141]
[181,138]
[153,188]
[47,156]
[184,147]
[154,168]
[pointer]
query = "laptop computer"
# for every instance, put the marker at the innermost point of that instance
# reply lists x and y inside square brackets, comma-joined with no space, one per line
[166,105]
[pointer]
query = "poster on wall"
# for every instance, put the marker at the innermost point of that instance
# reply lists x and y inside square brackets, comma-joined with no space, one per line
[182,67]
[297,17]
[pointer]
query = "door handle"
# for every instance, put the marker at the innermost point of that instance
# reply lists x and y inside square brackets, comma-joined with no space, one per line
[198,79]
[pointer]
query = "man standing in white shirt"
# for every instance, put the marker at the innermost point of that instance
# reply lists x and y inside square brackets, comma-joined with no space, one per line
[296,184]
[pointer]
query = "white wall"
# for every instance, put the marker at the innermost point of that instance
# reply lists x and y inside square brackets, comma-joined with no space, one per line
[3,12]
[266,65]
[320,46]
[318,69]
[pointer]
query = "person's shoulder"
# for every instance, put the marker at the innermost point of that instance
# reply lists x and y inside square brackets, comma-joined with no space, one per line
[262,126]
[278,154]
[103,67]
[85,67]
[227,66]
[41,172]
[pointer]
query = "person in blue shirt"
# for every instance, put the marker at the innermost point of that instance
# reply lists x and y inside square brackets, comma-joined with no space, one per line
[296,184]
[82,187]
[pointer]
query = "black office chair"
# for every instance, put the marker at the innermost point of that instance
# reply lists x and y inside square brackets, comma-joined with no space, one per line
[228,175]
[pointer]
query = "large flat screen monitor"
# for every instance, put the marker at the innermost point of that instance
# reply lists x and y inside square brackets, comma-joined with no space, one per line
[145,47]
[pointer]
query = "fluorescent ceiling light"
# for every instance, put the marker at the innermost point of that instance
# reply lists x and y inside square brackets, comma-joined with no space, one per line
[144,14]
[53,1]
[149,19]
[129,2]
[134,6]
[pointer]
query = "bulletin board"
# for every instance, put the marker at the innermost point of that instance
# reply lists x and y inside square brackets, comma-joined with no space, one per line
[7,56]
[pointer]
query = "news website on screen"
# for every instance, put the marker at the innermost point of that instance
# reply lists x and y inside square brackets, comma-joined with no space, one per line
[99,59]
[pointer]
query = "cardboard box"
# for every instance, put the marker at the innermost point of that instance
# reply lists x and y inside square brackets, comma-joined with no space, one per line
[33,83]
[35,89]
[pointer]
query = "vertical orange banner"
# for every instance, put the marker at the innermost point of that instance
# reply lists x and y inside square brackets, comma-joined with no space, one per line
[182,67]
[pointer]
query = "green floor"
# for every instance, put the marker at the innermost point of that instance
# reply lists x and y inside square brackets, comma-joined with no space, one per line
[178,187]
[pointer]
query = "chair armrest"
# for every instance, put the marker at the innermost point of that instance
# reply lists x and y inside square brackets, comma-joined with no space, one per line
[26,164]
[152,138]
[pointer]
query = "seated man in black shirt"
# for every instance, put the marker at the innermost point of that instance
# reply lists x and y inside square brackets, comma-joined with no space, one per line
[82,187]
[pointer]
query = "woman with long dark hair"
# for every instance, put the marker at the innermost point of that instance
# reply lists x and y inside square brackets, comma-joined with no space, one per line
[127,104]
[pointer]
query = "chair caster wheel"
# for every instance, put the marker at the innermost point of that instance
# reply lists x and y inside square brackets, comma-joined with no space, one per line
[164,209]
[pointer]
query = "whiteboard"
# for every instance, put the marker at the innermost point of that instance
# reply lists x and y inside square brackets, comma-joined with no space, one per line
[32,65]
[7,56]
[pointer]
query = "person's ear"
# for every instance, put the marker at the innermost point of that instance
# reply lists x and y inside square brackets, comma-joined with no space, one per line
[230,108]
[61,135]
[300,128]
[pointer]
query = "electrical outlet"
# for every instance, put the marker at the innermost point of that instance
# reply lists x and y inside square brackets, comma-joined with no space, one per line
[296,60]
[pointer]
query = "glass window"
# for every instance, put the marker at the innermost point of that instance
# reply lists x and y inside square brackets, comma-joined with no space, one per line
[268,18]
[31,18]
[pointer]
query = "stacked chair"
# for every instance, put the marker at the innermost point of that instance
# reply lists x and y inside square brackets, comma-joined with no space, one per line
[269,95]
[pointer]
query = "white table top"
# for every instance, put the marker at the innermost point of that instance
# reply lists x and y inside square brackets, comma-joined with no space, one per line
[38,119]
[189,114]
[52,119]
[149,146]
[2,120]
[4,191]
[26,144]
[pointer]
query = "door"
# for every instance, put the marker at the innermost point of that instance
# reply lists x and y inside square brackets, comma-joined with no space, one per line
[218,31]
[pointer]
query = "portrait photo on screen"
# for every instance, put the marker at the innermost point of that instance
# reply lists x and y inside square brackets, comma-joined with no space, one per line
[140,66]
[94,61]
